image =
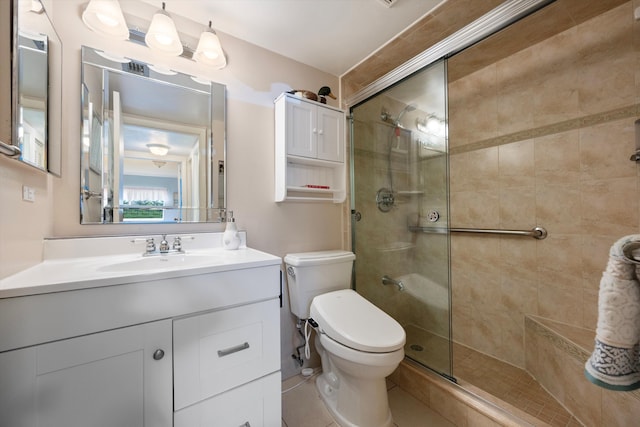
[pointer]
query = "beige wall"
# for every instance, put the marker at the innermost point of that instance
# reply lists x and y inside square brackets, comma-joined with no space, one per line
[543,137]
[254,78]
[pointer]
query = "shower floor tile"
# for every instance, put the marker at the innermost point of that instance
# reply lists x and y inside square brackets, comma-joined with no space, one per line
[499,379]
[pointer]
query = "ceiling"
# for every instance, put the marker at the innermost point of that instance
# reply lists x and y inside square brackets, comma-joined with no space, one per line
[330,35]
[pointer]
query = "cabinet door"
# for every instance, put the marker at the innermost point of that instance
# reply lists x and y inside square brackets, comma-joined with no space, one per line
[330,135]
[109,379]
[302,129]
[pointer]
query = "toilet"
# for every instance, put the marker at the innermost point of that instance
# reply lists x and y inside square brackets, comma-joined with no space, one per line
[359,344]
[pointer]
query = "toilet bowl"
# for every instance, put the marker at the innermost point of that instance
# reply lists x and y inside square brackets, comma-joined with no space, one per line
[359,344]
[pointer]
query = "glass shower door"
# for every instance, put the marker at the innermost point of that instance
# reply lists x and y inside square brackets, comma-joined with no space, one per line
[400,202]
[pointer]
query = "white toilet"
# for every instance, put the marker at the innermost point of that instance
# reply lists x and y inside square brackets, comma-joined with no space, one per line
[359,344]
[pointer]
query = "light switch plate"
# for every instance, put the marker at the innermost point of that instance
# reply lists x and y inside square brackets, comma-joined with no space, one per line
[28,194]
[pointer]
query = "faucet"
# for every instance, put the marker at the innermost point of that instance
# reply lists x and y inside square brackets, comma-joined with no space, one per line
[164,248]
[386,280]
[164,245]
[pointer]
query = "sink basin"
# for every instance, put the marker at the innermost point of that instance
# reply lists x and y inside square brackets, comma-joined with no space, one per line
[160,262]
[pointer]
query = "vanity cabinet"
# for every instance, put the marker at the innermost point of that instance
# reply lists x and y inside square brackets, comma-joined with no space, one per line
[87,345]
[310,151]
[115,378]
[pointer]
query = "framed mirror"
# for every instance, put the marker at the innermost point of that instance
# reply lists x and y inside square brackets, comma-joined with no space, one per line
[37,59]
[153,144]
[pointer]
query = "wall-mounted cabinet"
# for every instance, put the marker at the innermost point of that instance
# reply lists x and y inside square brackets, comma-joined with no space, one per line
[310,151]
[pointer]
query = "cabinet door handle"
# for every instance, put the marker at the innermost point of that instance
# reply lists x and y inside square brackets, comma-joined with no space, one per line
[320,132]
[158,354]
[231,350]
[314,130]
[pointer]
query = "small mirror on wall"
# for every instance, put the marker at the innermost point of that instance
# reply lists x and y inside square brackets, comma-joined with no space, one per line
[36,86]
[153,144]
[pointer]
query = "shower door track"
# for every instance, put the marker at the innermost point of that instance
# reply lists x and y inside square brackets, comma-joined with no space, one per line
[536,232]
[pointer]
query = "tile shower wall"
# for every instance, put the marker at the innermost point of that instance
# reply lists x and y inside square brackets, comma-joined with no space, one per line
[543,137]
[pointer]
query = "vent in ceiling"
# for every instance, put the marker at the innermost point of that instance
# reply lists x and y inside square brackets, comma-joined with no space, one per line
[388,3]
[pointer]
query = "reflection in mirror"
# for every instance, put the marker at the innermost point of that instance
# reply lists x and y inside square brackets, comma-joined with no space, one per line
[153,143]
[35,42]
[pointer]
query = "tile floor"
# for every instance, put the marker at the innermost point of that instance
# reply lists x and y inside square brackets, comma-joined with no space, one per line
[502,380]
[302,407]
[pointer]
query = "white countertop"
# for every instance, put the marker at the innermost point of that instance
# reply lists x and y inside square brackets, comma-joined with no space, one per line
[72,264]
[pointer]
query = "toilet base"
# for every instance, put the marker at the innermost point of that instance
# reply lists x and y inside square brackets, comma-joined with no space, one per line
[329,396]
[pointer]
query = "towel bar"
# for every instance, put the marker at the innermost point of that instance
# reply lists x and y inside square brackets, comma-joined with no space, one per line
[9,150]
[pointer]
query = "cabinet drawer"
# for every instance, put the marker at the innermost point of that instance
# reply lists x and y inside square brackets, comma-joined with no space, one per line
[256,404]
[214,352]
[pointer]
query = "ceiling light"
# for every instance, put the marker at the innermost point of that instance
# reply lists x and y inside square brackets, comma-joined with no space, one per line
[158,149]
[209,51]
[105,17]
[162,35]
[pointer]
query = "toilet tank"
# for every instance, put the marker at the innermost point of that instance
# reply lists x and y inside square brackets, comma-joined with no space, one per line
[314,273]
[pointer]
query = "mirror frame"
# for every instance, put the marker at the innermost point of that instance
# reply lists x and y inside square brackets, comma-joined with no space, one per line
[209,210]
[53,107]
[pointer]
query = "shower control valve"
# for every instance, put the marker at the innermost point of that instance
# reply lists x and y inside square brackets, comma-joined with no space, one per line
[433,216]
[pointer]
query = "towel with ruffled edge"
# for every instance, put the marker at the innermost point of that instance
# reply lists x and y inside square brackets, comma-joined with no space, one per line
[615,361]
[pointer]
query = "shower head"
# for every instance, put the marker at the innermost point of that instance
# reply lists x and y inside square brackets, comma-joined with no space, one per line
[410,107]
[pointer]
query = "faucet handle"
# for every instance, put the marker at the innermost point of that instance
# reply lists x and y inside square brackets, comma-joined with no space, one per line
[150,243]
[177,242]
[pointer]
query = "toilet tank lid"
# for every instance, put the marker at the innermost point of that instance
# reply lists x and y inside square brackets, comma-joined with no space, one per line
[348,318]
[301,259]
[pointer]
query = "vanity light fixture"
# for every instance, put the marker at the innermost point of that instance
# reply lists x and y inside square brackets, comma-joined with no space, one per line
[162,70]
[105,17]
[112,57]
[158,149]
[209,50]
[162,35]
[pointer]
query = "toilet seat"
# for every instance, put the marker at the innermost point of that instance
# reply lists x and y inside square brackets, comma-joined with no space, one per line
[351,320]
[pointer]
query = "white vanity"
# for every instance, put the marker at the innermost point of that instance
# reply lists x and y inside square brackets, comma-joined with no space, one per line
[99,335]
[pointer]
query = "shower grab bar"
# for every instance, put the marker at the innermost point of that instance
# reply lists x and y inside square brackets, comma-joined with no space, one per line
[536,232]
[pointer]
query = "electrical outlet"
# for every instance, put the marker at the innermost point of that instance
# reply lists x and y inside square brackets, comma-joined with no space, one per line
[28,194]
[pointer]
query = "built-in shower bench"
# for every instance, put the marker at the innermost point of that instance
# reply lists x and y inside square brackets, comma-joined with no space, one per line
[555,356]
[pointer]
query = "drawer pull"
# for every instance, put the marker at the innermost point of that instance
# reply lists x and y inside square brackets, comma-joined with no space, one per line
[231,350]
[245,424]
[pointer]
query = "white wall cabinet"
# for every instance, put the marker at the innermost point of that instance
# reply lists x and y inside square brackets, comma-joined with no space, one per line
[119,378]
[310,151]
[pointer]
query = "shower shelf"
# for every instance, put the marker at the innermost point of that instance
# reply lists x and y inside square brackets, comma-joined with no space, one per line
[409,192]
[396,247]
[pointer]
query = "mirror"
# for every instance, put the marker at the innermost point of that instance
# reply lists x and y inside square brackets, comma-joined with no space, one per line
[153,143]
[37,60]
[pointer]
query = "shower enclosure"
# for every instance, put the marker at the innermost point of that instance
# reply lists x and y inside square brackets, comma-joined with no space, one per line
[400,210]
